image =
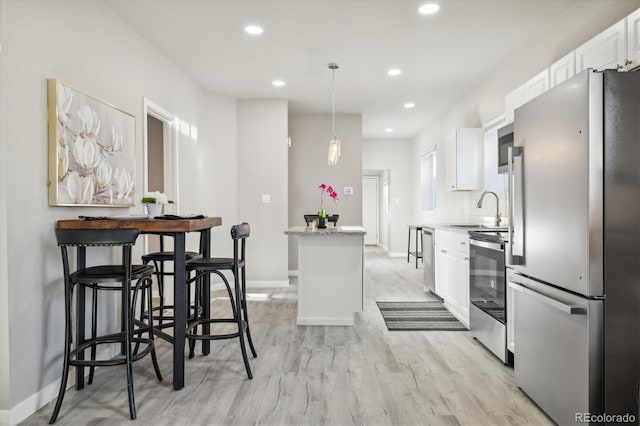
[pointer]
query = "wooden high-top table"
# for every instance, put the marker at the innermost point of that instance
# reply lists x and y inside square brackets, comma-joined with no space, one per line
[176,229]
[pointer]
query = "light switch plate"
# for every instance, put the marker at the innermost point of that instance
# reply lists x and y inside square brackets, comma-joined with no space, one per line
[348,190]
[266,198]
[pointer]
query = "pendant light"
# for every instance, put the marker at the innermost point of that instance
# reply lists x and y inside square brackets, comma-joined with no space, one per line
[334,143]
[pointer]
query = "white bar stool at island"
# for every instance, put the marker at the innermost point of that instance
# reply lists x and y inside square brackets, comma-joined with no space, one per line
[330,274]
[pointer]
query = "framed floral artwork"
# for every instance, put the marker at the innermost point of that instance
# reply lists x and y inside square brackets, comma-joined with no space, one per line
[91,150]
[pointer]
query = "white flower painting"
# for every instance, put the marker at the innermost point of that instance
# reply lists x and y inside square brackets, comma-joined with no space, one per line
[91,149]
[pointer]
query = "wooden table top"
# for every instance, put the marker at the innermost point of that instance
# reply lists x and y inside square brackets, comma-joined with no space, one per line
[144,225]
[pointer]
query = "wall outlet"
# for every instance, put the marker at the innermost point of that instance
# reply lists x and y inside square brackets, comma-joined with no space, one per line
[266,198]
[348,190]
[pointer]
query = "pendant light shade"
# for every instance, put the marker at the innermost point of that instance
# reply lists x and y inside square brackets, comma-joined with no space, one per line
[334,143]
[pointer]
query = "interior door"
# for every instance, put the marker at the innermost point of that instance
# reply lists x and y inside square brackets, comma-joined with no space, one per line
[370,209]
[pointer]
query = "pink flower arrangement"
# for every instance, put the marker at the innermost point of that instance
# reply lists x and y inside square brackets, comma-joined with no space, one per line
[332,193]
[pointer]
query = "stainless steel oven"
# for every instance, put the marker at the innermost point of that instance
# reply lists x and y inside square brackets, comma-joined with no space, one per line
[487,291]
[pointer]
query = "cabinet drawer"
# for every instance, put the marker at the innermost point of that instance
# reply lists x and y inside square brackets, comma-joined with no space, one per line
[453,240]
[463,243]
[447,239]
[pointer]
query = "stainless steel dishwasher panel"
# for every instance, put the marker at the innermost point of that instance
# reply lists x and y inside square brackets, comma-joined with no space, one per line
[428,260]
[560,343]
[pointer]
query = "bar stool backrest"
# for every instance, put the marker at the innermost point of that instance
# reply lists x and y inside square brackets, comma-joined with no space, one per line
[239,232]
[96,237]
[310,218]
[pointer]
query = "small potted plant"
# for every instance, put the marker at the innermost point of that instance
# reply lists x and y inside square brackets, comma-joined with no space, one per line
[322,213]
[154,202]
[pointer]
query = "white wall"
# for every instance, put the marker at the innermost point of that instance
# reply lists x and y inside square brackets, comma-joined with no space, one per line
[396,156]
[86,45]
[262,169]
[216,192]
[5,401]
[310,135]
[580,23]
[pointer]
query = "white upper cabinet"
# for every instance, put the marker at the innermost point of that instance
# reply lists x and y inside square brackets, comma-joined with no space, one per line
[563,69]
[523,94]
[536,86]
[513,100]
[633,40]
[464,158]
[607,50]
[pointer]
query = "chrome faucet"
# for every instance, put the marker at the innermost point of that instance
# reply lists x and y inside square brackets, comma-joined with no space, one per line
[498,215]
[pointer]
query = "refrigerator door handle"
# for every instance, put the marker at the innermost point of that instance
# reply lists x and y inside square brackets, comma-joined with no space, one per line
[563,307]
[516,203]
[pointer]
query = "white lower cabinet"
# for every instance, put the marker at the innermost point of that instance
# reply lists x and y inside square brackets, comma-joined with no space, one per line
[452,272]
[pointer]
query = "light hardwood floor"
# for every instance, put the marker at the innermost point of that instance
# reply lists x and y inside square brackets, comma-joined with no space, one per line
[312,375]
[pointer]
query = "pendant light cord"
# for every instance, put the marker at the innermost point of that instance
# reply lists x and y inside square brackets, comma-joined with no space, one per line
[333,67]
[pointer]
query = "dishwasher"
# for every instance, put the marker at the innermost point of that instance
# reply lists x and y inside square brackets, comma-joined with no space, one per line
[428,260]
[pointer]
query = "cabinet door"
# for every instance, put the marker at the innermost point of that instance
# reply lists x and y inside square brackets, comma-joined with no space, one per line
[563,69]
[459,268]
[442,281]
[451,158]
[633,40]
[537,85]
[469,158]
[607,50]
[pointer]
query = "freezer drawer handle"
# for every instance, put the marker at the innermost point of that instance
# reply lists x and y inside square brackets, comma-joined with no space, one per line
[567,309]
[516,206]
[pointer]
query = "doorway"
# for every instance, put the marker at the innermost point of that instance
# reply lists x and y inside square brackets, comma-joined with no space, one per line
[371,209]
[160,168]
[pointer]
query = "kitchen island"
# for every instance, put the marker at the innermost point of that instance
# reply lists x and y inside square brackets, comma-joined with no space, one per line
[330,274]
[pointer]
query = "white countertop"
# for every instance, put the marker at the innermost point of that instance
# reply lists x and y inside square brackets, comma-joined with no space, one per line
[329,230]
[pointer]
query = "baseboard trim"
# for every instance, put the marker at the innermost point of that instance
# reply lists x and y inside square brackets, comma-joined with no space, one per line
[267,283]
[4,417]
[397,254]
[325,321]
[36,401]
[45,395]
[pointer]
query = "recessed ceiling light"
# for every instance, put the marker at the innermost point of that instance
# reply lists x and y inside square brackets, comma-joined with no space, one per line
[409,105]
[388,130]
[394,72]
[253,29]
[278,83]
[429,8]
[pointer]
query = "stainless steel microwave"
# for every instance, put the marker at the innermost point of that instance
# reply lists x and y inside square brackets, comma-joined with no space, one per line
[505,140]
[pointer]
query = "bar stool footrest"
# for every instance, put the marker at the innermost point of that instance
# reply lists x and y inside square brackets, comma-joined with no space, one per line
[147,346]
[194,324]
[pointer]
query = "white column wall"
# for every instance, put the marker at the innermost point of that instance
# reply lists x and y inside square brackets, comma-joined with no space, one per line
[263,170]
[5,401]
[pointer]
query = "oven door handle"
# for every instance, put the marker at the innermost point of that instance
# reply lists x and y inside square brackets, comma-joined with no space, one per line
[487,244]
[563,307]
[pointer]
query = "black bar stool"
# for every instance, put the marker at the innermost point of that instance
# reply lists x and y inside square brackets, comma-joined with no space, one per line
[159,259]
[204,266]
[118,278]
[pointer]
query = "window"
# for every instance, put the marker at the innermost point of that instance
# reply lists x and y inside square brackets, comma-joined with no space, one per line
[428,179]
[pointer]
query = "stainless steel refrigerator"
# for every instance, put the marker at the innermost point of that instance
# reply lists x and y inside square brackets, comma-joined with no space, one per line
[573,257]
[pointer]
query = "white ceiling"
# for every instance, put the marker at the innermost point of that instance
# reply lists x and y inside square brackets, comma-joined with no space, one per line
[442,56]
